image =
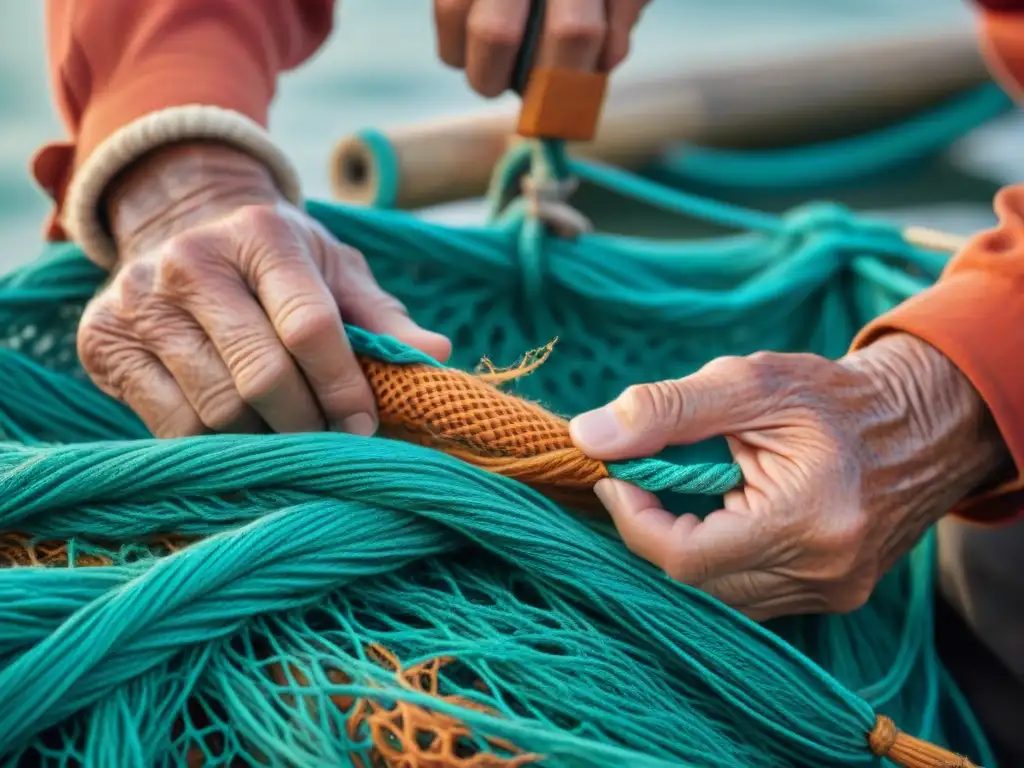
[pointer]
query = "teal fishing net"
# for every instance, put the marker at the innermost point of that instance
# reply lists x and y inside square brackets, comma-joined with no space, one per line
[327,599]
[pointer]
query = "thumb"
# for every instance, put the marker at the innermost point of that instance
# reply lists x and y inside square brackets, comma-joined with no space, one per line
[721,398]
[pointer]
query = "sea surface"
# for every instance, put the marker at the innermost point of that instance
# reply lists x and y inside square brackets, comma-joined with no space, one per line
[379,68]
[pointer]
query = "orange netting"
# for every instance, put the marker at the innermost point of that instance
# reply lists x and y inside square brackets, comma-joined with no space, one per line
[467,416]
[406,735]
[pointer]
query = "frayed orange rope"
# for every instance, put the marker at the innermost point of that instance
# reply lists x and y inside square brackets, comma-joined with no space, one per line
[467,416]
[888,741]
[527,364]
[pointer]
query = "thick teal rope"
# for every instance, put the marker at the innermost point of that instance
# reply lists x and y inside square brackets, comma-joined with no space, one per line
[842,160]
[817,165]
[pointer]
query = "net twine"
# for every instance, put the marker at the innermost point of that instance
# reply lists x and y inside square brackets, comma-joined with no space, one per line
[404,734]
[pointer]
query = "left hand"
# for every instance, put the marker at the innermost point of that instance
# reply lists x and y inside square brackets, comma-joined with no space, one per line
[483,36]
[846,464]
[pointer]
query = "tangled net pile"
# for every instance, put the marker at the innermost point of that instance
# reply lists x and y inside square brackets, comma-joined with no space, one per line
[326,599]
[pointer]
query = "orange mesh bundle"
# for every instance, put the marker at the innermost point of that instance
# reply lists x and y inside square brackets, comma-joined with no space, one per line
[467,416]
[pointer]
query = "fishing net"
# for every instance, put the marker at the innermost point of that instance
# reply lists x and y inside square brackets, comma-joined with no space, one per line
[447,593]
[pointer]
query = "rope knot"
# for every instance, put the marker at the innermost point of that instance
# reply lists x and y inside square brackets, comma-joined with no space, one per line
[547,200]
[817,218]
[883,736]
[820,219]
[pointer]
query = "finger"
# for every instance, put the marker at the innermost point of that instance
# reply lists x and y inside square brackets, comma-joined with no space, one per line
[622,17]
[121,367]
[639,518]
[726,396]
[574,34]
[495,31]
[185,350]
[451,18]
[306,318]
[264,373]
[366,305]
[150,390]
[688,549]
[200,275]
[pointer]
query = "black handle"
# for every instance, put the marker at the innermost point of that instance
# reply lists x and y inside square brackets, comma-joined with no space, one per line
[528,49]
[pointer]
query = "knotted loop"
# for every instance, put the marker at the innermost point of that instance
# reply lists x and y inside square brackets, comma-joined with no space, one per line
[545,192]
[547,200]
[819,219]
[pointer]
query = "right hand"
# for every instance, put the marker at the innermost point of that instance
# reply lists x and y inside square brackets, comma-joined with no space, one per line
[846,463]
[483,37]
[224,312]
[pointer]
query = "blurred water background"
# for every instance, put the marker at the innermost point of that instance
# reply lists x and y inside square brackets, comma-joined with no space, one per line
[379,67]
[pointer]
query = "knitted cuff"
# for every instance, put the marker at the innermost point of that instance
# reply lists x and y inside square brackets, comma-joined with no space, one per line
[81,212]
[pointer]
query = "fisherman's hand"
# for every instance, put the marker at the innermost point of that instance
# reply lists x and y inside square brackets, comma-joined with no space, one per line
[845,464]
[224,312]
[483,36]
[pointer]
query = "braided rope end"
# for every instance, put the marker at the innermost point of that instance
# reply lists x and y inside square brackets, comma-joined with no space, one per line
[888,741]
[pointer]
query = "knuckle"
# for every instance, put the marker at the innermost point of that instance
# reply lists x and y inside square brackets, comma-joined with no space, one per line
[258,218]
[494,33]
[304,323]
[349,393]
[656,403]
[100,342]
[135,281]
[348,258]
[726,368]
[181,421]
[222,411]
[258,377]
[764,372]
[184,263]
[345,269]
[573,32]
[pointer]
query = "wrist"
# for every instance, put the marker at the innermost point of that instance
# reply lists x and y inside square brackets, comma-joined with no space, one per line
[179,186]
[943,416]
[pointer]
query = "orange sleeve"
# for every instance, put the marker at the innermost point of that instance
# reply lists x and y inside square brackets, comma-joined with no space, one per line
[975,313]
[114,61]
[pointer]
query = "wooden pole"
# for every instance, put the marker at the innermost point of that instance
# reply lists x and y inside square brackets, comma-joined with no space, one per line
[842,90]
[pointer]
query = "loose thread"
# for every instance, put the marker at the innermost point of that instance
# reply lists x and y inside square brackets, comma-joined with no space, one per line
[529,363]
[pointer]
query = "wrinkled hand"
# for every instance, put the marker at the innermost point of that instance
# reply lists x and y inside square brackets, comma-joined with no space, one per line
[483,36]
[846,464]
[225,310]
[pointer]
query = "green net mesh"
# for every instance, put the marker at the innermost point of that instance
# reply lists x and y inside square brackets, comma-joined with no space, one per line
[334,600]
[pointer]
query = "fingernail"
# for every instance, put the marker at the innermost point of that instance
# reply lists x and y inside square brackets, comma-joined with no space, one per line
[607,493]
[358,424]
[596,429]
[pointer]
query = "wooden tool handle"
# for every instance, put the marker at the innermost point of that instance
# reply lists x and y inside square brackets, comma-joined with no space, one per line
[785,100]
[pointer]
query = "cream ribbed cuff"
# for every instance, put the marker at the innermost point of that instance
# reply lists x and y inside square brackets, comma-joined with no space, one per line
[81,214]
